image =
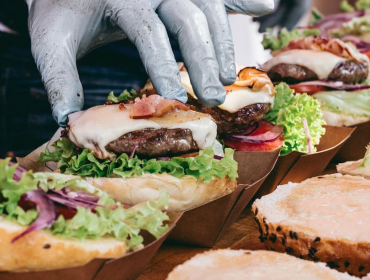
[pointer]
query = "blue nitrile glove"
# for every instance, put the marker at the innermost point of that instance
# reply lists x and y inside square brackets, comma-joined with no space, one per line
[287,14]
[63,31]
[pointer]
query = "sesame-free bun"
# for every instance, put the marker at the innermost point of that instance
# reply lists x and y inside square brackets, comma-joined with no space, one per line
[40,250]
[185,193]
[337,119]
[252,265]
[323,219]
[351,168]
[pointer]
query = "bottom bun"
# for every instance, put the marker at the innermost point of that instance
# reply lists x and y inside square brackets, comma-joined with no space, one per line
[337,119]
[351,168]
[40,250]
[254,265]
[185,193]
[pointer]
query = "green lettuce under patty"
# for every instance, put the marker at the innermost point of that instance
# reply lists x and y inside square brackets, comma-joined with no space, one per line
[82,162]
[123,224]
[353,103]
[276,42]
[288,111]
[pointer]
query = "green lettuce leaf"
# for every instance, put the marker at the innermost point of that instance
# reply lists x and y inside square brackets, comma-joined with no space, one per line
[83,163]
[123,97]
[316,15]
[366,161]
[123,224]
[357,26]
[289,109]
[284,37]
[346,7]
[356,103]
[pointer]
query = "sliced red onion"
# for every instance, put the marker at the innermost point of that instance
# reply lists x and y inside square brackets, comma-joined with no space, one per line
[18,171]
[338,85]
[250,129]
[73,203]
[336,21]
[79,195]
[269,136]
[134,150]
[308,136]
[164,158]
[47,212]
[218,157]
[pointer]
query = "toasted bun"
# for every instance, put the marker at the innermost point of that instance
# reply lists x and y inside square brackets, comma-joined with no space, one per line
[336,119]
[254,265]
[350,168]
[40,250]
[185,193]
[322,219]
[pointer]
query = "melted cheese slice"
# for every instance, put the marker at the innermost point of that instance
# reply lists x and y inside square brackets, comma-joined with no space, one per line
[95,128]
[322,63]
[238,95]
[334,207]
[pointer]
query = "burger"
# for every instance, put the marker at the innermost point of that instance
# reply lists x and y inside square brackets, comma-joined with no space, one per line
[52,221]
[258,117]
[332,71]
[132,149]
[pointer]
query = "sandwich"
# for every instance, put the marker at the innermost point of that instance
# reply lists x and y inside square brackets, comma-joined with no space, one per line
[357,168]
[253,265]
[323,219]
[52,221]
[331,71]
[133,148]
[258,117]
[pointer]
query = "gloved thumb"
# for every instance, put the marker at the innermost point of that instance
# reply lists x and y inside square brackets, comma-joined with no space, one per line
[55,57]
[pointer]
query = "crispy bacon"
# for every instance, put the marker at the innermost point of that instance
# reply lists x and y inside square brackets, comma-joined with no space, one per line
[321,43]
[154,106]
[254,78]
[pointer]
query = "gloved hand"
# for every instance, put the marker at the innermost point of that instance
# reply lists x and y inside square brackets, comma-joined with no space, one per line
[65,30]
[287,14]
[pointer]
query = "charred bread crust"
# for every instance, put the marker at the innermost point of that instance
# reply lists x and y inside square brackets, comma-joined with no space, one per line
[341,255]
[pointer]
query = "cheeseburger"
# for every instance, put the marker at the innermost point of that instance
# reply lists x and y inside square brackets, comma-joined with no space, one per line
[132,149]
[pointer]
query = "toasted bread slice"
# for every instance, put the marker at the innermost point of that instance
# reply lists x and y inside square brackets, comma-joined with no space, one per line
[323,219]
[253,265]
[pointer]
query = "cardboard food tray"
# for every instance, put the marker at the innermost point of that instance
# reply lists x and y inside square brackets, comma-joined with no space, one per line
[355,148]
[203,225]
[128,267]
[297,167]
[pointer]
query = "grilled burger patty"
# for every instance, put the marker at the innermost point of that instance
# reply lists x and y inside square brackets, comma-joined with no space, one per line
[233,122]
[349,72]
[155,142]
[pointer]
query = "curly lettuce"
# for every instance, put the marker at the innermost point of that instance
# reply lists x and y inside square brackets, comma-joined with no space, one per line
[123,97]
[357,26]
[289,109]
[353,103]
[360,5]
[123,224]
[366,161]
[276,42]
[84,163]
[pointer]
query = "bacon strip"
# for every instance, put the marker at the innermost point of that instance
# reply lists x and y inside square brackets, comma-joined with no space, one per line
[332,45]
[154,106]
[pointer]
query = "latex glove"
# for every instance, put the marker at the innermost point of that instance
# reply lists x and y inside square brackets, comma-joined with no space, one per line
[287,14]
[65,30]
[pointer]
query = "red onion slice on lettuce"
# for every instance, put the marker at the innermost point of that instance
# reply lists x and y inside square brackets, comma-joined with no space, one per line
[337,85]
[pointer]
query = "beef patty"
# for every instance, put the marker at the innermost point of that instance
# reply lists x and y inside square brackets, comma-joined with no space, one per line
[349,72]
[232,122]
[155,142]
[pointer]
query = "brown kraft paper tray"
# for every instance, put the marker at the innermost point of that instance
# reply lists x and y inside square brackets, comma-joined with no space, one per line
[355,148]
[297,167]
[203,225]
[128,267]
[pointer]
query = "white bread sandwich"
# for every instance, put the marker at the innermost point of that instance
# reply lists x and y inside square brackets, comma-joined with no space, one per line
[132,149]
[357,168]
[253,265]
[323,219]
[51,221]
[247,101]
[329,69]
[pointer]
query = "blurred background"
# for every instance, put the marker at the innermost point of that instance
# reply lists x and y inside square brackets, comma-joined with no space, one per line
[25,115]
